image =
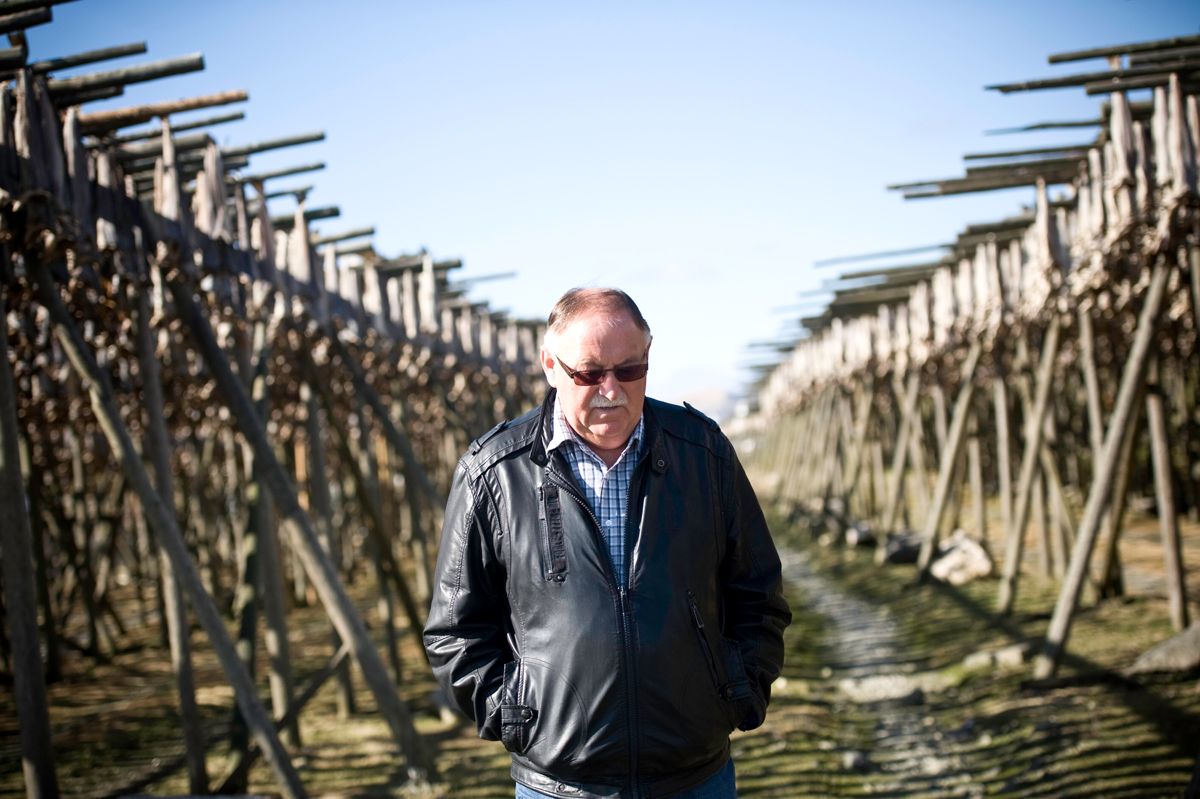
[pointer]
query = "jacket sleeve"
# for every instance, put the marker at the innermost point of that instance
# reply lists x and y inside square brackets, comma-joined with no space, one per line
[465,631]
[756,612]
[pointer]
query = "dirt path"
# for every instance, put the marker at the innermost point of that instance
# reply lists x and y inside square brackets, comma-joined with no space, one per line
[871,672]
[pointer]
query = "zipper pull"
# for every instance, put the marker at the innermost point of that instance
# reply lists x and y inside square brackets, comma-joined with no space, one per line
[695,610]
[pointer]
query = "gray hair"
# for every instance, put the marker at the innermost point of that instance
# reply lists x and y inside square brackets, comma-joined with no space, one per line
[580,301]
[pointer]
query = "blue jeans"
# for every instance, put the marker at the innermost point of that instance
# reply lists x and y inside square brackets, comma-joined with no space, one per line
[719,786]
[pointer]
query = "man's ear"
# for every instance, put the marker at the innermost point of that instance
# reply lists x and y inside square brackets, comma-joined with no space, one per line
[548,365]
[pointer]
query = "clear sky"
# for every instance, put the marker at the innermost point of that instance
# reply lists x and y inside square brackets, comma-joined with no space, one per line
[700,155]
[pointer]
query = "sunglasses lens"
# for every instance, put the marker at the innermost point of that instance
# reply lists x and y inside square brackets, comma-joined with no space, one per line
[627,374]
[588,377]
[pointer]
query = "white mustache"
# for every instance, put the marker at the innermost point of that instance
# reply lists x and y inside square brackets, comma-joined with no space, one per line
[600,401]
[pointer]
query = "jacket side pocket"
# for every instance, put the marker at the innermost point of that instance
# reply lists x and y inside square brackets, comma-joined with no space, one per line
[516,719]
[749,711]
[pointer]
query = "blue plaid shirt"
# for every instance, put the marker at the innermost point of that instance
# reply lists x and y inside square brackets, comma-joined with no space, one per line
[606,489]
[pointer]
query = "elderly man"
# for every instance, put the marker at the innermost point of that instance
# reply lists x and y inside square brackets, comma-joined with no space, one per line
[608,599]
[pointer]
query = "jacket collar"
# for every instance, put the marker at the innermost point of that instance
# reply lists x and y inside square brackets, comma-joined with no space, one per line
[654,448]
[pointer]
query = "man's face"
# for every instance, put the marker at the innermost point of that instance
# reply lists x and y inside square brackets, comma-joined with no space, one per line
[603,415]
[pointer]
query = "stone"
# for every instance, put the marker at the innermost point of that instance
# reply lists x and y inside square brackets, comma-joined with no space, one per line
[853,760]
[960,560]
[1178,653]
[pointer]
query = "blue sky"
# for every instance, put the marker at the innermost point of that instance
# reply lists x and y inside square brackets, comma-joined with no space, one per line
[699,155]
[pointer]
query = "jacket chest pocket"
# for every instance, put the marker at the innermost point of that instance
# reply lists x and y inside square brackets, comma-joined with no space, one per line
[553,544]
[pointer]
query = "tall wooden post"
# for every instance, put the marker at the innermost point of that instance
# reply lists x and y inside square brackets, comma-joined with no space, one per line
[950,457]
[29,685]
[1132,378]
[158,450]
[163,523]
[1168,520]
[1029,463]
[899,456]
[304,538]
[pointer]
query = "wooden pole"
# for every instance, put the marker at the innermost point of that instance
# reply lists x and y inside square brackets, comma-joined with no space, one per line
[396,438]
[1168,521]
[29,685]
[322,505]
[163,522]
[975,475]
[368,496]
[1132,378]
[1029,464]
[899,456]
[158,449]
[1003,446]
[304,538]
[98,121]
[950,456]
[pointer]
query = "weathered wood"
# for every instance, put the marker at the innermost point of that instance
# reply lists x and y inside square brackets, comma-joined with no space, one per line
[274,144]
[304,539]
[1034,429]
[1003,449]
[89,57]
[22,20]
[975,477]
[354,456]
[29,686]
[1168,520]
[1123,49]
[12,58]
[241,765]
[262,177]
[163,523]
[157,448]
[950,457]
[123,77]
[97,121]
[353,233]
[1083,78]
[176,127]
[288,221]
[899,461]
[322,505]
[1132,378]
[1065,148]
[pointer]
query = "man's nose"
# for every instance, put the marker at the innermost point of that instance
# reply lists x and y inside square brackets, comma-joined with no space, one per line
[610,385]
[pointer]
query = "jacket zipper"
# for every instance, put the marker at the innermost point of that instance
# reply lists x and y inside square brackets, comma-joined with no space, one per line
[698,624]
[622,595]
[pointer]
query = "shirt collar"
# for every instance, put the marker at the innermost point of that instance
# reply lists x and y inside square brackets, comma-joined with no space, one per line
[563,433]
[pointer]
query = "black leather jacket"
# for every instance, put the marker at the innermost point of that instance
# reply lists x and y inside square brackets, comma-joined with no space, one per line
[599,690]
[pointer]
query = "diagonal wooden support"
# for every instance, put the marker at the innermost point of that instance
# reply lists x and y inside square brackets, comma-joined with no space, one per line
[1029,463]
[162,521]
[862,418]
[369,499]
[954,441]
[1132,379]
[29,685]
[303,536]
[396,438]
[158,449]
[899,456]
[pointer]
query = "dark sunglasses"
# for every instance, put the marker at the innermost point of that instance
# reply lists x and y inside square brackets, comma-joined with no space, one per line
[592,377]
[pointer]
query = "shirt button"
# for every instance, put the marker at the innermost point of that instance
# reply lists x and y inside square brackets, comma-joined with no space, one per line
[660,463]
